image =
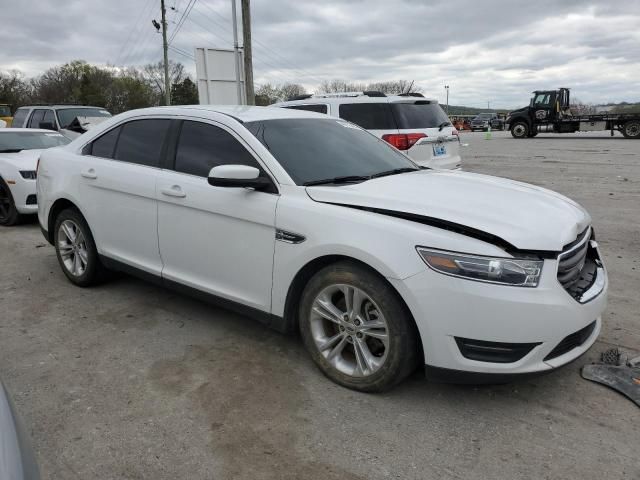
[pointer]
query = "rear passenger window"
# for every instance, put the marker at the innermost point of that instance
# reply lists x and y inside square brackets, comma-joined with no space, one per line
[202,146]
[19,117]
[309,108]
[370,116]
[141,141]
[105,145]
[36,117]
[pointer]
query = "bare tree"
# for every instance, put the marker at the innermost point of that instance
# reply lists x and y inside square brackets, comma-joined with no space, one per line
[392,87]
[153,73]
[268,94]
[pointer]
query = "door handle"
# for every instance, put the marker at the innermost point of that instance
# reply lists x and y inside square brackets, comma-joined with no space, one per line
[174,191]
[89,173]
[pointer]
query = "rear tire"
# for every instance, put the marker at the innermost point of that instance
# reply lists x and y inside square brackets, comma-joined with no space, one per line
[631,129]
[9,215]
[520,130]
[76,249]
[356,328]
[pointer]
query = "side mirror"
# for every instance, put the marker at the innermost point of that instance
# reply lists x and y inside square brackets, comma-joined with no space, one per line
[238,176]
[47,126]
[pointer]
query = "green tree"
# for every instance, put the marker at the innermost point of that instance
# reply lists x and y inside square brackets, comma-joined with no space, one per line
[184,93]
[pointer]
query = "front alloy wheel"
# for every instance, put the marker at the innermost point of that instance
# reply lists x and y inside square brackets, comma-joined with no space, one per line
[349,330]
[8,213]
[356,328]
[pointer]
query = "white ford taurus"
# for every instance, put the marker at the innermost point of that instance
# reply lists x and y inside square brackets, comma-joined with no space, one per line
[311,223]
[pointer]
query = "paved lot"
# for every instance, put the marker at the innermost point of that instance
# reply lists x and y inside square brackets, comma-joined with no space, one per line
[131,381]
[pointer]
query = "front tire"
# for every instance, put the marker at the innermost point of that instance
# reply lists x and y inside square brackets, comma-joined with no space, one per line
[76,249]
[356,328]
[9,215]
[520,130]
[631,129]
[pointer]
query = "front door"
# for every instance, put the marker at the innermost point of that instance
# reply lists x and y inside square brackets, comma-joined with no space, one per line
[215,239]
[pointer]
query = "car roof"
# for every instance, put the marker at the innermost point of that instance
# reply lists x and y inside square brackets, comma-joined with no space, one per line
[356,99]
[241,113]
[27,130]
[59,107]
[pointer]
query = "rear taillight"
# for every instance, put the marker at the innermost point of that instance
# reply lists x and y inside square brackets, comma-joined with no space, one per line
[403,141]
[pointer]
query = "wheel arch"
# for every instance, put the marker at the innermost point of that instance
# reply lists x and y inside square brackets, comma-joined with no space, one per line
[58,206]
[305,274]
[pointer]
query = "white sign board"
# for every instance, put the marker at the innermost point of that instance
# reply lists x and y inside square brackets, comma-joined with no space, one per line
[216,74]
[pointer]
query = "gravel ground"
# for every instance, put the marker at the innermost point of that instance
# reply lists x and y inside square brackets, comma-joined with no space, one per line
[128,380]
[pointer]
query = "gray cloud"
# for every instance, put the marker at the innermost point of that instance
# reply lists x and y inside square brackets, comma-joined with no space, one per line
[493,50]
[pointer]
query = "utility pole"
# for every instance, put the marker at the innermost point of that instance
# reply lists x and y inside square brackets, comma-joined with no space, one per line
[446,87]
[236,49]
[165,47]
[248,60]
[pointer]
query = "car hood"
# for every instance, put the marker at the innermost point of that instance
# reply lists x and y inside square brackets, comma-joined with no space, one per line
[525,216]
[23,160]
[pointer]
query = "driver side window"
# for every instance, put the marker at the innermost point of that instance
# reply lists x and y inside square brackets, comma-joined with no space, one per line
[542,99]
[202,146]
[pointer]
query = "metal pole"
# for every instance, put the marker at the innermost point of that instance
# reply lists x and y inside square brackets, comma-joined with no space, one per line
[167,85]
[447,88]
[248,58]
[236,49]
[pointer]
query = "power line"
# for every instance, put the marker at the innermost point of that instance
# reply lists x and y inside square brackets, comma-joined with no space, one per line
[184,16]
[181,52]
[267,51]
[142,33]
[136,24]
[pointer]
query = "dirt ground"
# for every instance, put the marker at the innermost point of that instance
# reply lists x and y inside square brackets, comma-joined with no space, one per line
[131,381]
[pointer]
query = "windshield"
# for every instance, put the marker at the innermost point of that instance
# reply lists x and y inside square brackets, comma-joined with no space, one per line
[421,114]
[484,116]
[311,150]
[67,115]
[5,111]
[16,141]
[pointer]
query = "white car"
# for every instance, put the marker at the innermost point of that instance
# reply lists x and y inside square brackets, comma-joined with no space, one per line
[19,152]
[70,120]
[412,123]
[309,222]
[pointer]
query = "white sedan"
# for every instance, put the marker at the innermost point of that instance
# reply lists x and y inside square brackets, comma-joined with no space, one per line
[19,152]
[311,223]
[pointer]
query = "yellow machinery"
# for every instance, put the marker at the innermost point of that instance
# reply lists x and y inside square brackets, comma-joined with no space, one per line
[5,113]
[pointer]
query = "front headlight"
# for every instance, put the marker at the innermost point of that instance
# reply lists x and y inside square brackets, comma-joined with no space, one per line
[504,271]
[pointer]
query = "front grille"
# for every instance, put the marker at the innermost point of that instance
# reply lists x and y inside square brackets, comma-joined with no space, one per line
[32,200]
[572,341]
[578,265]
[495,352]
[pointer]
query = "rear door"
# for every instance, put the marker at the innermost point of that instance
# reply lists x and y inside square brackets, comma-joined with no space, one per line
[440,147]
[118,188]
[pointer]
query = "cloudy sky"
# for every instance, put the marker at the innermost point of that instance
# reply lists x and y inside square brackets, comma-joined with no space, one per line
[486,51]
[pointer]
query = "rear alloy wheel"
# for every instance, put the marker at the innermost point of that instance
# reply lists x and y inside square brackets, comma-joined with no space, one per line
[76,250]
[356,329]
[8,213]
[631,129]
[520,130]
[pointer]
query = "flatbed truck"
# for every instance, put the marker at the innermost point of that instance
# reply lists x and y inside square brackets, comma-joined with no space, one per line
[549,111]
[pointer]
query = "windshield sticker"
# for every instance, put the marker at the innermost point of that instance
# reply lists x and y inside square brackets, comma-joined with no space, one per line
[348,125]
[53,135]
